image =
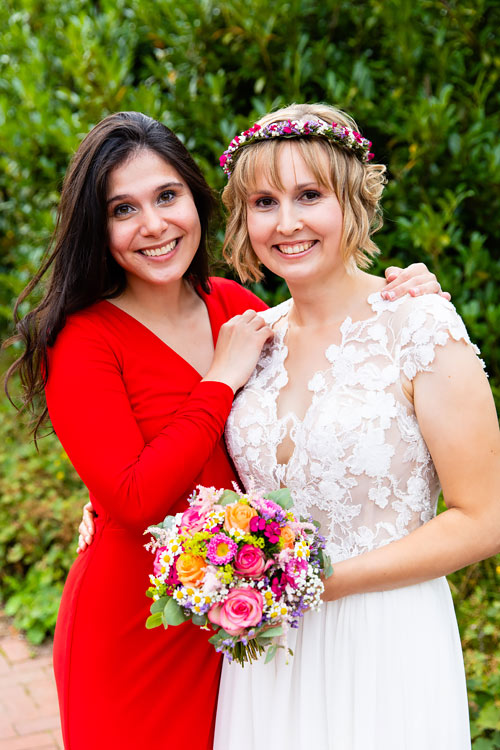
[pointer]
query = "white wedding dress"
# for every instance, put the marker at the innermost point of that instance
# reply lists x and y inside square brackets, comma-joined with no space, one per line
[375,671]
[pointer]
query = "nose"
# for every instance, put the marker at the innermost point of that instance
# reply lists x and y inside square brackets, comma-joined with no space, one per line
[153,223]
[289,219]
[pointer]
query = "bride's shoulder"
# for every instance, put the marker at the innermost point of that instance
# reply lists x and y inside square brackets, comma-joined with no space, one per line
[273,314]
[416,309]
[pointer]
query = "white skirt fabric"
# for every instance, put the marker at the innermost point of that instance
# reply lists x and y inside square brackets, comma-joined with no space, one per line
[376,671]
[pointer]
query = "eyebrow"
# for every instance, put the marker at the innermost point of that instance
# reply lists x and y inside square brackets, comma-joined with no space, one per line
[302,186]
[158,189]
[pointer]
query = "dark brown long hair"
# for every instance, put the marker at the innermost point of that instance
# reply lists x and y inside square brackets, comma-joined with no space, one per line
[83,270]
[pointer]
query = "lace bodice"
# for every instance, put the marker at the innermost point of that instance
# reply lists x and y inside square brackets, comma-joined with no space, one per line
[360,465]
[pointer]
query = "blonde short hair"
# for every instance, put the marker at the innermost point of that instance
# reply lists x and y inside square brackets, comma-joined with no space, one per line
[358,188]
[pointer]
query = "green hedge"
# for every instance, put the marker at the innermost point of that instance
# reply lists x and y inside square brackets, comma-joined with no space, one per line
[420,76]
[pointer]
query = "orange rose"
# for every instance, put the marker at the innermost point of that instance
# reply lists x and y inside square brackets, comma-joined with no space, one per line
[190,569]
[287,537]
[238,516]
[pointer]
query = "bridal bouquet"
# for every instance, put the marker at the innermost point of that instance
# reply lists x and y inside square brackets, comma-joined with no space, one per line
[239,563]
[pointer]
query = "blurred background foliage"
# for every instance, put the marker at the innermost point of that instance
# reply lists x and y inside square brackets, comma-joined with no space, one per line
[421,78]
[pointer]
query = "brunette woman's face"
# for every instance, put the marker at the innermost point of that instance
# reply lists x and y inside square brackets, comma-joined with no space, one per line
[296,231]
[153,226]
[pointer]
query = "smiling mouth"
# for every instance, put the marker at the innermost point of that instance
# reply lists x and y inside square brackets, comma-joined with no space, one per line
[154,252]
[295,249]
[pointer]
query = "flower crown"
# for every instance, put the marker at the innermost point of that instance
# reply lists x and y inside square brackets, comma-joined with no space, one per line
[291,129]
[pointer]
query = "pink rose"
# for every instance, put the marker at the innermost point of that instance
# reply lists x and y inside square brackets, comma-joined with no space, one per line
[249,562]
[242,609]
[193,520]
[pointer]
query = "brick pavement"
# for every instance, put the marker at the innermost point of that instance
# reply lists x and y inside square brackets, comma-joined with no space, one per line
[29,716]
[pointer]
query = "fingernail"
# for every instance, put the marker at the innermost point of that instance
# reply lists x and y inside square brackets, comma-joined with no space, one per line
[391,277]
[87,539]
[414,292]
[391,295]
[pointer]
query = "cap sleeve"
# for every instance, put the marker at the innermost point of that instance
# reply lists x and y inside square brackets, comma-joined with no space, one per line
[429,321]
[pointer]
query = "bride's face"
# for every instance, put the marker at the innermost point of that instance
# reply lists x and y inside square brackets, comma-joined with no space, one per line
[295,230]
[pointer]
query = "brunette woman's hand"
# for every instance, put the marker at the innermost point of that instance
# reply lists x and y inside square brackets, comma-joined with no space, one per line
[86,528]
[415,280]
[238,348]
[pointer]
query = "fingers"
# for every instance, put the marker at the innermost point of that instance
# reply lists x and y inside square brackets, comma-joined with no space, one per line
[82,545]
[392,272]
[88,520]
[414,280]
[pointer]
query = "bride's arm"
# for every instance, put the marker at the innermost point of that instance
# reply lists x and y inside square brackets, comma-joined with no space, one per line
[457,417]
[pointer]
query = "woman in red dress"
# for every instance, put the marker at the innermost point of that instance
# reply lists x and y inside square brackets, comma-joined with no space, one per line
[126,336]
[139,364]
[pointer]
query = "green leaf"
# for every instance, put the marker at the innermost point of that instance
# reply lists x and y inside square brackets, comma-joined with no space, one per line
[270,654]
[168,523]
[159,605]
[154,620]
[197,619]
[227,497]
[328,567]
[272,632]
[281,497]
[173,614]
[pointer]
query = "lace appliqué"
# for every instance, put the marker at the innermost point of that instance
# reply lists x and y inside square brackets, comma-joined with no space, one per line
[360,465]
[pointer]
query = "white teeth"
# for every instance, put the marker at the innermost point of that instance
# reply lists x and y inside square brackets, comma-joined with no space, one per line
[160,250]
[295,249]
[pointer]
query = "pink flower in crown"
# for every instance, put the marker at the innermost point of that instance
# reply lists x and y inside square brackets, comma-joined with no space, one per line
[193,520]
[369,157]
[222,159]
[241,609]
[250,562]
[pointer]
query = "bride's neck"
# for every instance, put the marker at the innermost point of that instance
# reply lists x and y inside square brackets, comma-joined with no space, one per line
[325,303]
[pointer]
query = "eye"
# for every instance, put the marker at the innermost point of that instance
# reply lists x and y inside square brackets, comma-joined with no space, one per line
[264,202]
[166,196]
[311,195]
[121,210]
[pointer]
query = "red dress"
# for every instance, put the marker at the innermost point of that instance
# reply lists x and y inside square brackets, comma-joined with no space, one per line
[142,431]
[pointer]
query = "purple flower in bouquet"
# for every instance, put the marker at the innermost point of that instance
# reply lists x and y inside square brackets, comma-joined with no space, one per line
[267,508]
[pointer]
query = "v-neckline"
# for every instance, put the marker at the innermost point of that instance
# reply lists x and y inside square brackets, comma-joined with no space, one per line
[204,298]
[282,355]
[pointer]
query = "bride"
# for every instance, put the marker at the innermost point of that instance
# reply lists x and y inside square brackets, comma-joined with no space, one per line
[364,408]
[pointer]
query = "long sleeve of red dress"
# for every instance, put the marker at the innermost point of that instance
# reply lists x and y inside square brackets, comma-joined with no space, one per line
[141,431]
